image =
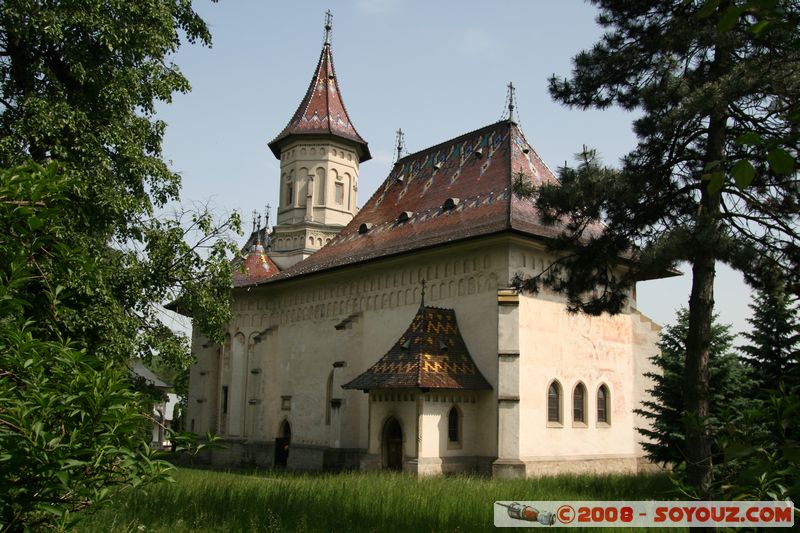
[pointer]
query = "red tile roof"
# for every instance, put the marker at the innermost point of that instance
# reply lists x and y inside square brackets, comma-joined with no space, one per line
[257,267]
[322,111]
[476,170]
[431,354]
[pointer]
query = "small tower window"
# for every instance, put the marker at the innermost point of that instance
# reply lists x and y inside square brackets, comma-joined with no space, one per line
[579,404]
[289,196]
[554,403]
[602,404]
[340,193]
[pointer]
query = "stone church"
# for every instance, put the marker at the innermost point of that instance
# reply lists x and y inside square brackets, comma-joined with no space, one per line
[390,337]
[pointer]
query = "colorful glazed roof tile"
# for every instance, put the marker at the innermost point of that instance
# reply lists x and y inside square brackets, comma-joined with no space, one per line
[431,354]
[455,190]
[255,268]
[322,111]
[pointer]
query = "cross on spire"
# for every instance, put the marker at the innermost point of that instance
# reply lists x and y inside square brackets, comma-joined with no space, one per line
[267,242]
[401,145]
[328,26]
[511,104]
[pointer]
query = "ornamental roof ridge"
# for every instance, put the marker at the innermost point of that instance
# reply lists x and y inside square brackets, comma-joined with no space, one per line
[449,142]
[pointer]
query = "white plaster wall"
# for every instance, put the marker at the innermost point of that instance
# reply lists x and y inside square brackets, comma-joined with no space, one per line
[400,404]
[204,378]
[377,302]
[435,408]
[572,349]
[646,335]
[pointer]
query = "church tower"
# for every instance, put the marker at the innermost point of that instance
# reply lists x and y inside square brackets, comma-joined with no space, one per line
[320,151]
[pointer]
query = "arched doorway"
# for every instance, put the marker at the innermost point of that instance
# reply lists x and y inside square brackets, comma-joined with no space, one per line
[392,444]
[282,445]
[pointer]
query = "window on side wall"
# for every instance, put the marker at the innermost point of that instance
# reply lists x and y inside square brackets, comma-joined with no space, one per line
[554,404]
[454,419]
[602,406]
[579,404]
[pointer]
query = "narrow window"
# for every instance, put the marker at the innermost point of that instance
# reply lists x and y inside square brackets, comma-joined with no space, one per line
[453,426]
[578,403]
[340,193]
[224,399]
[554,403]
[289,191]
[602,404]
[328,399]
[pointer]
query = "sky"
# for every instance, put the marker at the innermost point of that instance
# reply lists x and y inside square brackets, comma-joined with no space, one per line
[434,69]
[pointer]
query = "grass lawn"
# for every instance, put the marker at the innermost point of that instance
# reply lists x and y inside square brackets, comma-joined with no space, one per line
[204,500]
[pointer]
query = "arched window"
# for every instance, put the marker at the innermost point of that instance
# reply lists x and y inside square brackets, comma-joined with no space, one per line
[579,403]
[454,427]
[602,404]
[554,402]
[289,197]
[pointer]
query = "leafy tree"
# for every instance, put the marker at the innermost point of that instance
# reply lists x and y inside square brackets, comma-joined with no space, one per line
[79,81]
[711,179]
[728,386]
[761,450]
[68,420]
[774,342]
[87,256]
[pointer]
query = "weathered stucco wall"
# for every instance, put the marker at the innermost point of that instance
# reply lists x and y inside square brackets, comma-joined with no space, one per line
[294,333]
[293,344]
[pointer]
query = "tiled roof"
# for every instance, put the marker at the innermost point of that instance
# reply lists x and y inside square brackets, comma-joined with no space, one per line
[322,111]
[257,267]
[475,170]
[431,354]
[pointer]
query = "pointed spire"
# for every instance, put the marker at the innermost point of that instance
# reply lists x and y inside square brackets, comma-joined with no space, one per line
[322,111]
[328,26]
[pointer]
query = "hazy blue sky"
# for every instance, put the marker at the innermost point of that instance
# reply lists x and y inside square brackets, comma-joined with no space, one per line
[434,69]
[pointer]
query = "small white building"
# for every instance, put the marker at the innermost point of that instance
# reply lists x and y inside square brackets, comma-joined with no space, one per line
[163,411]
[332,360]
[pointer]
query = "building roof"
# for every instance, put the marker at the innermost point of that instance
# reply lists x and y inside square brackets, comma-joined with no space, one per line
[322,111]
[431,354]
[138,369]
[458,189]
[256,267]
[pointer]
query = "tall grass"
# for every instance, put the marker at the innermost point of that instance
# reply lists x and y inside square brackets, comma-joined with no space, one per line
[202,500]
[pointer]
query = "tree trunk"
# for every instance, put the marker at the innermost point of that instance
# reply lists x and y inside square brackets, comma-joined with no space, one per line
[698,342]
[698,338]
[701,302]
